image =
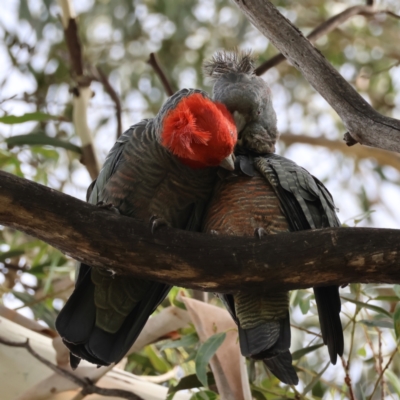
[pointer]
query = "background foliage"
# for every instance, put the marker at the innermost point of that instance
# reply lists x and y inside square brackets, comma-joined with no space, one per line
[38,142]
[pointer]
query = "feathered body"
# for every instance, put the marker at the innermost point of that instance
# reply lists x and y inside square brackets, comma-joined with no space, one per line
[267,194]
[161,167]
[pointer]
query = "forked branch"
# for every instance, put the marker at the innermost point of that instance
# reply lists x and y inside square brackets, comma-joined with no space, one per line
[365,125]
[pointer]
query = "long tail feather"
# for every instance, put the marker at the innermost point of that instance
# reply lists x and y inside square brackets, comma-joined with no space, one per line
[328,304]
[281,367]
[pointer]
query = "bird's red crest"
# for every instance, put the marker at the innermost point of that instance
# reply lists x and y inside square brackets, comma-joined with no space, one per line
[199,132]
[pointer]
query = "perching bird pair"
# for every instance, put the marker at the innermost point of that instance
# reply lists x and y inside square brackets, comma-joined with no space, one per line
[166,169]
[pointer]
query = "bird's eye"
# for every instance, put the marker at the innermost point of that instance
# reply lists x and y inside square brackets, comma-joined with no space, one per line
[259,112]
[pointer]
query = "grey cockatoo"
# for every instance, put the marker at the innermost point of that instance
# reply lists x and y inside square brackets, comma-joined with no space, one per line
[161,167]
[267,194]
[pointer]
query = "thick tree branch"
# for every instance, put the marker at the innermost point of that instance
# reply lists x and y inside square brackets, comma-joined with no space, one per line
[323,29]
[365,124]
[198,261]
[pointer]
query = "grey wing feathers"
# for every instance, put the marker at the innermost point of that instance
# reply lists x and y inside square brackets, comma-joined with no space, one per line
[307,204]
[308,192]
[114,158]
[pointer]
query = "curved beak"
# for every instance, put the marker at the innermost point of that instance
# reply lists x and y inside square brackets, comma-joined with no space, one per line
[228,163]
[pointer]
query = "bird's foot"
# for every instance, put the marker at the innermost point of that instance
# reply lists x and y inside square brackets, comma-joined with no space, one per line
[214,232]
[260,233]
[156,223]
[108,206]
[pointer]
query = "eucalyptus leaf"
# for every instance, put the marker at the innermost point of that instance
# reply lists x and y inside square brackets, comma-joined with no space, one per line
[35,116]
[371,307]
[11,254]
[302,352]
[396,321]
[186,341]
[205,395]
[40,139]
[190,382]
[378,323]
[204,354]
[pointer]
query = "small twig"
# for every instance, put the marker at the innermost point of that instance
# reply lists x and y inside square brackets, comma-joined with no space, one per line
[86,384]
[328,26]
[306,330]
[101,77]
[45,297]
[383,371]
[157,69]
[347,378]
[346,365]
[380,362]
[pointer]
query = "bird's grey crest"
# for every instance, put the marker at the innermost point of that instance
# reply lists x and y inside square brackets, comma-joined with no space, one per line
[224,62]
[247,97]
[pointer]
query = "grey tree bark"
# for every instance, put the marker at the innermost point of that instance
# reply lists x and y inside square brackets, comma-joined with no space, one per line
[366,126]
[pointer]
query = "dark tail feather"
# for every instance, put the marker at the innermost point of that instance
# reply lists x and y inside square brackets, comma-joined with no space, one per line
[76,324]
[277,356]
[258,339]
[281,366]
[328,304]
[77,318]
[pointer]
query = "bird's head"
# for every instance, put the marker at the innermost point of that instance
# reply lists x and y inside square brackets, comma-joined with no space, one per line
[198,131]
[247,97]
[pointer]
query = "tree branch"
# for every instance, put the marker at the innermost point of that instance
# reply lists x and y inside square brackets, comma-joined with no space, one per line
[100,76]
[323,29]
[365,125]
[158,70]
[199,261]
[383,157]
[86,384]
[82,93]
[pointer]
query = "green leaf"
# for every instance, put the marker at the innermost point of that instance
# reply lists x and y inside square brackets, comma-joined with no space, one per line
[386,298]
[361,352]
[257,394]
[158,362]
[173,295]
[186,341]
[394,380]
[378,323]
[35,116]
[11,254]
[204,354]
[304,304]
[190,382]
[396,321]
[40,139]
[205,395]
[42,310]
[300,353]
[371,307]
[396,289]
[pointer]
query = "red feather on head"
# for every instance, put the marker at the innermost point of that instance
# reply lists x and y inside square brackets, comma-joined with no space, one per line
[200,132]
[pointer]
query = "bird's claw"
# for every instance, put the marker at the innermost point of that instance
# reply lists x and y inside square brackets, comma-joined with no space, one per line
[108,206]
[259,233]
[214,232]
[156,223]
